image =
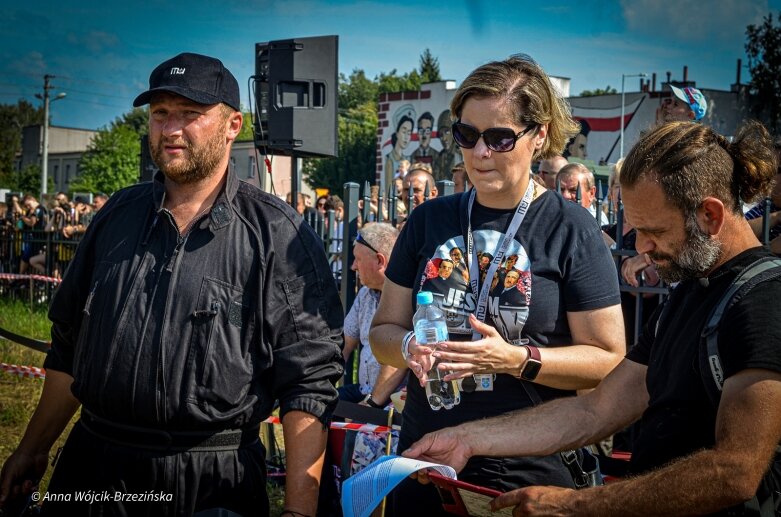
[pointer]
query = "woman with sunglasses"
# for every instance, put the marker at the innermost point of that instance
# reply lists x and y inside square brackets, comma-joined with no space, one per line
[551,323]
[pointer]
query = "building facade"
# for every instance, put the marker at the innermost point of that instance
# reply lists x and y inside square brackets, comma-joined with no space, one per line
[66,145]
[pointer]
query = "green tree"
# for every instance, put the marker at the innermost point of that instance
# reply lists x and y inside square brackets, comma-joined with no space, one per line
[763,48]
[392,82]
[246,128]
[14,117]
[429,67]
[111,162]
[357,129]
[599,91]
[357,90]
[28,180]
[137,118]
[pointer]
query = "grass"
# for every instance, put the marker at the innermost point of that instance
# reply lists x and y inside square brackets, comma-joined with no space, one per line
[19,396]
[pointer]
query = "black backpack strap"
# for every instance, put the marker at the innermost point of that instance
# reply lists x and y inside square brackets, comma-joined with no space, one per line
[762,270]
[581,464]
[712,373]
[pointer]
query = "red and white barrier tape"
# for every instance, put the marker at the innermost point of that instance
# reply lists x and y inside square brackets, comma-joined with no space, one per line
[31,372]
[349,426]
[12,276]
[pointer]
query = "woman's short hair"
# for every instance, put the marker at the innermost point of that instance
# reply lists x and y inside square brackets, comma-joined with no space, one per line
[691,162]
[528,93]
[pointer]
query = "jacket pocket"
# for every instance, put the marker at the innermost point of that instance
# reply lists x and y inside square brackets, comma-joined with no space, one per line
[91,330]
[221,355]
[306,305]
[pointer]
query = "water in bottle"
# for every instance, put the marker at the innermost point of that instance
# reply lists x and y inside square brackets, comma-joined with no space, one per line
[430,329]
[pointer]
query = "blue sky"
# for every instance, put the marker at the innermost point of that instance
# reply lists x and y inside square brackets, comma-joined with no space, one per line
[102,52]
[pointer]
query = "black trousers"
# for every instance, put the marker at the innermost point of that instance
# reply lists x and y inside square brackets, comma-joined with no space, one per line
[97,478]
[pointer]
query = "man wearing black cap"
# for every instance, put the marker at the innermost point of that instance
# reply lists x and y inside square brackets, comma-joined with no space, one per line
[194,302]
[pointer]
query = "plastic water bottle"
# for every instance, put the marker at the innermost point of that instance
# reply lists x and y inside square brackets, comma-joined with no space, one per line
[431,328]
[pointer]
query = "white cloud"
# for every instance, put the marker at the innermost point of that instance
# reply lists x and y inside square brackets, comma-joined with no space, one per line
[29,64]
[96,42]
[694,20]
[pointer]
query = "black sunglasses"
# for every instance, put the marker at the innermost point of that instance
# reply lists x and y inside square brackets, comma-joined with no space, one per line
[361,240]
[499,139]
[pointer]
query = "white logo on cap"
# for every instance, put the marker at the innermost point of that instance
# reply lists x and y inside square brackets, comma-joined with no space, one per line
[177,71]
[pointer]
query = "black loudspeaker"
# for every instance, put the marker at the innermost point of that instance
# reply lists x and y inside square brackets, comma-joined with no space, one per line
[148,167]
[296,89]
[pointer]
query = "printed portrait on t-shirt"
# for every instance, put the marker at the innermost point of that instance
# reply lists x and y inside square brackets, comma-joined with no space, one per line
[447,276]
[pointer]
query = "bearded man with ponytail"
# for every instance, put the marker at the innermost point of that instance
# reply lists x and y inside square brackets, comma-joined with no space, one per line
[708,402]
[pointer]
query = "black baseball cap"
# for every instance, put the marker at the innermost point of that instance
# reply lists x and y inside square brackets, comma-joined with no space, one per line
[201,79]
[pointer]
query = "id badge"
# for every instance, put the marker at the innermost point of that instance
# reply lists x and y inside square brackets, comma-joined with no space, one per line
[484,381]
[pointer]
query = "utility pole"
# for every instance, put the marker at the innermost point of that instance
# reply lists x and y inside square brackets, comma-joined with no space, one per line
[45,153]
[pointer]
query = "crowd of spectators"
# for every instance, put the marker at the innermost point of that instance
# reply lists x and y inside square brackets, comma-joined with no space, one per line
[31,229]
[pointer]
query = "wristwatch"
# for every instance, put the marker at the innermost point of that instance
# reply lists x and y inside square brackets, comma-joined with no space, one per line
[532,366]
[370,402]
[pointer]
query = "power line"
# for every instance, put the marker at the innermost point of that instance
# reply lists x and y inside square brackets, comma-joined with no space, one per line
[69,89]
[87,101]
[98,94]
[21,85]
[87,81]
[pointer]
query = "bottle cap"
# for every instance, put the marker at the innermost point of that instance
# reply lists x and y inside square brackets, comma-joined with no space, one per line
[425,297]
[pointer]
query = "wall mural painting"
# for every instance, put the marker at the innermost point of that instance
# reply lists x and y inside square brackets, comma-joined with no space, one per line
[417,130]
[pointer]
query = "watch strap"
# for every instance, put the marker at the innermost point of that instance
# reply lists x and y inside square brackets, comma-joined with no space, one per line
[531,367]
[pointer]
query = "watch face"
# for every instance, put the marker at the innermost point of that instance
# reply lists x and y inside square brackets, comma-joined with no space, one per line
[531,370]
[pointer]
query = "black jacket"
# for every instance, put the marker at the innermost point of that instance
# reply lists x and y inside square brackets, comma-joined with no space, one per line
[203,331]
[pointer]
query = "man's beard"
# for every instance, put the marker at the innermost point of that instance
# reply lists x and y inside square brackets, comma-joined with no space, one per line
[200,163]
[696,255]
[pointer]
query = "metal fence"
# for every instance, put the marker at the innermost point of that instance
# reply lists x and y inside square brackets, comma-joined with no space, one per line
[54,252]
[58,251]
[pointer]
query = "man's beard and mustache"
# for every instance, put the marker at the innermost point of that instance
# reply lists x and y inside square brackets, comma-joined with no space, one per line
[696,255]
[199,163]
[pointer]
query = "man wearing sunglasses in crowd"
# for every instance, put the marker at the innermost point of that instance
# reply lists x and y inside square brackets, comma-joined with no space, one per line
[549,170]
[372,251]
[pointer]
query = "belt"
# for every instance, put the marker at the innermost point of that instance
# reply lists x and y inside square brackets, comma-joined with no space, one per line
[171,441]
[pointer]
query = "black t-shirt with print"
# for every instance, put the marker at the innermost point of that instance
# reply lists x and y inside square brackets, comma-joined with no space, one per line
[557,263]
[680,418]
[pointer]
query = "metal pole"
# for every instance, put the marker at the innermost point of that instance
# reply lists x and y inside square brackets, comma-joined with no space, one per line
[623,96]
[295,180]
[445,188]
[621,151]
[350,231]
[45,158]
[45,151]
